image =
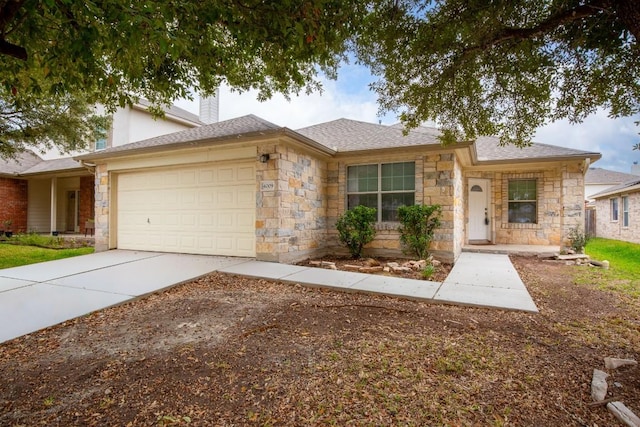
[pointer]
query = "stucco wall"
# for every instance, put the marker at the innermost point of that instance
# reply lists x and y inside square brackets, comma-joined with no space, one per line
[615,230]
[291,204]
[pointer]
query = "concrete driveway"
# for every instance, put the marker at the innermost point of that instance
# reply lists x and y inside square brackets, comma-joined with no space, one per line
[36,296]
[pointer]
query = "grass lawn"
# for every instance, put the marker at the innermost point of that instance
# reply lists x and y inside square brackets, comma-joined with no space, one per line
[15,255]
[624,273]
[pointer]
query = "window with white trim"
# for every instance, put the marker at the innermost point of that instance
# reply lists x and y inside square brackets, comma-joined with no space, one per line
[614,209]
[625,211]
[384,186]
[523,201]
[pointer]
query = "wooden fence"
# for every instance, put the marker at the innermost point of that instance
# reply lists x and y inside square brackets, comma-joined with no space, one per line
[590,222]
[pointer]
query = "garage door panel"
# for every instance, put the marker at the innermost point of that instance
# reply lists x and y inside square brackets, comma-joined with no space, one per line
[207,210]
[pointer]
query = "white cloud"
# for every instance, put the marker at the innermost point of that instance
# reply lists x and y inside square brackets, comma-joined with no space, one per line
[349,97]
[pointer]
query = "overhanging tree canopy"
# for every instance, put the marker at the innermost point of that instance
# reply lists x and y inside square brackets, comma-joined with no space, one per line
[57,53]
[503,67]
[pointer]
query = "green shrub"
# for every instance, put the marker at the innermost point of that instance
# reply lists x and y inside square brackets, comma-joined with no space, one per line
[418,224]
[356,228]
[578,239]
[428,271]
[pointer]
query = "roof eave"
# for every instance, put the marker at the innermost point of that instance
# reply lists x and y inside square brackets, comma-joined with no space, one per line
[205,142]
[421,147]
[608,193]
[583,156]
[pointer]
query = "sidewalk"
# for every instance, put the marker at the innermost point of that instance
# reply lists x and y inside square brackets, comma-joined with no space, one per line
[37,296]
[477,279]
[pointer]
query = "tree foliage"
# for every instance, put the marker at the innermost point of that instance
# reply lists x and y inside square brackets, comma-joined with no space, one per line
[503,67]
[68,52]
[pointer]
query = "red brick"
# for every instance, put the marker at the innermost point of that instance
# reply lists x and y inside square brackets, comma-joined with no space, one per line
[13,203]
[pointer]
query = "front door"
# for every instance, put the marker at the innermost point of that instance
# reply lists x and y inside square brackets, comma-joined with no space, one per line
[479,216]
[72,211]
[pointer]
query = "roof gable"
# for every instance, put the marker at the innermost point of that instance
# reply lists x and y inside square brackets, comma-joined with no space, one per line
[23,161]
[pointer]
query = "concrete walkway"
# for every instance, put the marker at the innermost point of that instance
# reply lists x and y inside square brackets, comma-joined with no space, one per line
[37,296]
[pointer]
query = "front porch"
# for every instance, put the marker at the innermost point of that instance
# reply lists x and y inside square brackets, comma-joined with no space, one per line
[541,251]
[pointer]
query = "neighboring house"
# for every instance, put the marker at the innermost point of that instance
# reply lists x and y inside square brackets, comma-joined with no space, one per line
[598,179]
[247,187]
[57,194]
[618,212]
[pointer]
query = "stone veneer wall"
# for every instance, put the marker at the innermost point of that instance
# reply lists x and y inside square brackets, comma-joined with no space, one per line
[560,205]
[102,189]
[290,217]
[13,205]
[609,229]
[435,184]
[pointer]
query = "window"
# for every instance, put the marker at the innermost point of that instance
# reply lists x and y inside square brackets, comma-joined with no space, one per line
[625,211]
[523,201]
[614,209]
[101,138]
[384,186]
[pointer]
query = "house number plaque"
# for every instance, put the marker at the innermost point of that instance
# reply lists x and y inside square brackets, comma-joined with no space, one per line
[267,186]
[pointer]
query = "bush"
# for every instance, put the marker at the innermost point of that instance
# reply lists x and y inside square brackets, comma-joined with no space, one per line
[578,239]
[356,228]
[418,224]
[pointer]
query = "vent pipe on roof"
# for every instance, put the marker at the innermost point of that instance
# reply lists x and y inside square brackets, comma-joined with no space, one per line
[635,168]
[210,108]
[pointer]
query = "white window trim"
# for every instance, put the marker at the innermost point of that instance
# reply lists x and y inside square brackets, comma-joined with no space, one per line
[611,201]
[379,191]
[537,202]
[625,220]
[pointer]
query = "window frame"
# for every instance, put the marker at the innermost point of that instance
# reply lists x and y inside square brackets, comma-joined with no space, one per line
[614,209]
[379,191]
[534,201]
[625,211]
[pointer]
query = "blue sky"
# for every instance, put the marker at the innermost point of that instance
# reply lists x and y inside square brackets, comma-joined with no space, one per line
[349,97]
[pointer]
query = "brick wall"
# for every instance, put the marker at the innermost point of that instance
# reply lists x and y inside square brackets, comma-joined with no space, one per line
[609,229]
[13,205]
[87,206]
[291,204]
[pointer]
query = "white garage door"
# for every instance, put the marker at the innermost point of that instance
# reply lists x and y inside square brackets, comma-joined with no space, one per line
[199,210]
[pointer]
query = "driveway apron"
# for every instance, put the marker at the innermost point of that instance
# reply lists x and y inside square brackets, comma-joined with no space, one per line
[37,296]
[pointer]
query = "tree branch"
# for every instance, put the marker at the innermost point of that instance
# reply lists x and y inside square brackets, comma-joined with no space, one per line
[552,22]
[13,50]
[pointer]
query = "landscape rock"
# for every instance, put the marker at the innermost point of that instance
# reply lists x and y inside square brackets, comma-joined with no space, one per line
[315,263]
[373,269]
[623,414]
[435,263]
[328,264]
[370,262]
[351,267]
[400,269]
[615,363]
[599,385]
[393,264]
[386,269]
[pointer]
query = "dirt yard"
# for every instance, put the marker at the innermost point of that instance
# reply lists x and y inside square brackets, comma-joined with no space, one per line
[229,351]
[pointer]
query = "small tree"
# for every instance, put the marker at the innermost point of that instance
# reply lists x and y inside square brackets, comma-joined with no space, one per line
[356,228]
[418,226]
[578,239]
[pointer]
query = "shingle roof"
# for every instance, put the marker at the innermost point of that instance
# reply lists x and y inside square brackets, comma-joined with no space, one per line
[238,127]
[604,176]
[352,135]
[488,149]
[55,165]
[632,185]
[23,161]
